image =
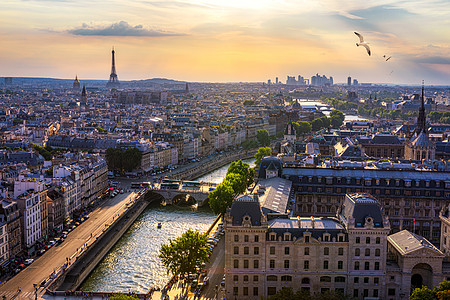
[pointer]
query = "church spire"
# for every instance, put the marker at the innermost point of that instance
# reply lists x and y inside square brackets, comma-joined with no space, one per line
[421,119]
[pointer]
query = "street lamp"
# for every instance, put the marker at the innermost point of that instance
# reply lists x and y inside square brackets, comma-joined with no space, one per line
[36,288]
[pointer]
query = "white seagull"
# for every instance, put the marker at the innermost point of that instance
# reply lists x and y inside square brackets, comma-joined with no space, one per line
[362,43]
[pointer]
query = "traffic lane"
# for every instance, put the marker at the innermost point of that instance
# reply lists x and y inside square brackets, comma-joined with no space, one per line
[57,256]
[216,270]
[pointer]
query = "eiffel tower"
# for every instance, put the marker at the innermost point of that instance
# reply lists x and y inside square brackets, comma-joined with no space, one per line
[113,79]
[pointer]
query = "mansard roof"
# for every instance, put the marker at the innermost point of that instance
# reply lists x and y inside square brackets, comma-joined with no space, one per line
[246,206]
[363,208]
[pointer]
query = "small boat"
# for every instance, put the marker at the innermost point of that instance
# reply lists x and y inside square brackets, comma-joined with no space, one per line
[159,225]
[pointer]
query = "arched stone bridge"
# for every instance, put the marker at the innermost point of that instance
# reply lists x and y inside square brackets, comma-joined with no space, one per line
[176,195]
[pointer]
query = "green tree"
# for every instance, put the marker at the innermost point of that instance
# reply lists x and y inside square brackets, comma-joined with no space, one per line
[119,160]
[423,293]
[263,137]
[236,181]
[184,254]
[221,198]
[336,118]
[243,169]
[316,124]
[262,152]
[325,122]
[249,144]
[302,127]
[42,151]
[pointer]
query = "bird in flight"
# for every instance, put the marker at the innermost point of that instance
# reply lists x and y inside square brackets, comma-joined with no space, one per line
[387,58]
[362,43]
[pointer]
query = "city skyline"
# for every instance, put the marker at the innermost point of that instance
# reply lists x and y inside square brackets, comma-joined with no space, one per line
[248,41]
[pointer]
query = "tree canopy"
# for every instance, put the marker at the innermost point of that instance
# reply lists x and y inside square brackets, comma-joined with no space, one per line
[243,169]
[302,127]
[263,137]
[221,198]
[262,152]
[239,177]
[119,160]
[184,254]
[441,292]
[236,181]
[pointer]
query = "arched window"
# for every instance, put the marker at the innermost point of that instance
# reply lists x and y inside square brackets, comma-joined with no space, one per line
[357,252]
[377,252]
[367,252]
[339,279]
[272,278]
[325,279]
[305,280]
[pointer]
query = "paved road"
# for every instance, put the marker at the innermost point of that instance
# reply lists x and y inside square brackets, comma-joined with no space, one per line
[215,270]
[57,256]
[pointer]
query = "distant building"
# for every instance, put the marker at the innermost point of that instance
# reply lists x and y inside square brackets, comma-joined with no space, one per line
[143,97]
[420,147]
[319,80]
[8,80]
[349,81]
[9,210]
[355,82]
[76,84]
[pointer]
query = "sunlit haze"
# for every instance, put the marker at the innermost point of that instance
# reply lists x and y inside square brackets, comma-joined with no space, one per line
[227,41]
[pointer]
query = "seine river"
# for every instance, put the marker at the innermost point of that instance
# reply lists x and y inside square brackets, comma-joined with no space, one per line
[318,103]
[133,263]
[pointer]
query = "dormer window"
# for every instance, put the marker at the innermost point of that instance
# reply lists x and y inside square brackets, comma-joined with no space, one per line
[287,236]
[326,237]
[272,236]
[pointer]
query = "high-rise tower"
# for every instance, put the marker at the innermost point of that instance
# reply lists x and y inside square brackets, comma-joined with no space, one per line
[113,79]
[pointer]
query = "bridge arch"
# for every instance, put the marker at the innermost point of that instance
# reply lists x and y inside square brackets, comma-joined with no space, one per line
[183,199]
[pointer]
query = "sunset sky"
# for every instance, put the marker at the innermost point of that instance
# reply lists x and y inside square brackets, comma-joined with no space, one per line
[227,40]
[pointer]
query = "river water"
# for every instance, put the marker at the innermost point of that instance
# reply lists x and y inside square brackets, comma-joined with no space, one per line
[327,113]
[133,263]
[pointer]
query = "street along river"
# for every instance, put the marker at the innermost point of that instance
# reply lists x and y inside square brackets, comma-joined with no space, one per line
[133,263]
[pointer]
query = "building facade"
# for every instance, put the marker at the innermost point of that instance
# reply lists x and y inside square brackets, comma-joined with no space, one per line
[350,253]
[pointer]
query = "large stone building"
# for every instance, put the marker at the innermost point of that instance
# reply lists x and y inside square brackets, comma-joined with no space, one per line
[352,253]
[406,192]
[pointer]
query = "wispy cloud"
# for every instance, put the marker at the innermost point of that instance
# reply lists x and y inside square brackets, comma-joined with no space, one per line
[121,28]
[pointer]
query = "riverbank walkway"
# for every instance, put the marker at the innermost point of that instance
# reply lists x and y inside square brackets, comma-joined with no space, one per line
[55,260]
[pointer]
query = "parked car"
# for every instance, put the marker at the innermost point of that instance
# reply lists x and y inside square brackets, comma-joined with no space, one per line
[29,261]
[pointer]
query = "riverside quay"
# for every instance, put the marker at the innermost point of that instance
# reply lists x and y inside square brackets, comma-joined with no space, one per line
[411,195]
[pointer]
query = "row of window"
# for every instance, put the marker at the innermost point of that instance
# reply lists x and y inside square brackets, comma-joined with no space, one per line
[247,238]
[368,240]
[288,237]
[369,182]
[367,252]
[373,191]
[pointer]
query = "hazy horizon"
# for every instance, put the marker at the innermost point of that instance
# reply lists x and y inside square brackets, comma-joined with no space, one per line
[232,41]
